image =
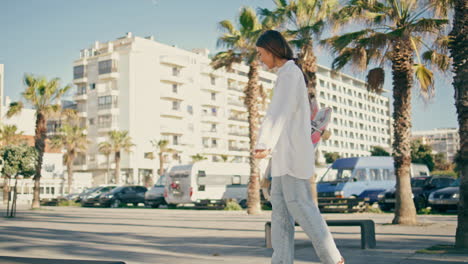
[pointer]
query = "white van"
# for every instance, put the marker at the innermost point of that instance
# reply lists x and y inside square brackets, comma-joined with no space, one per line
[203,183]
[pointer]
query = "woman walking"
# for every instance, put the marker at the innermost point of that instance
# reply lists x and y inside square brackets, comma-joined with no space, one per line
[285,134]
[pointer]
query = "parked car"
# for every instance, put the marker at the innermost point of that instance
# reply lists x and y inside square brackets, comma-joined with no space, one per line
[123,195]
[446,198]
[421,188]
[154,197]
[92,199]
[84,193]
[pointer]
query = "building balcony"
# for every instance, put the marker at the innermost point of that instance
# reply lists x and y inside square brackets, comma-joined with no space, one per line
[107,127]
[236,88]
[211,87]
[170,78]
[172,129]
[107,90]
[80,80]
[210,102]
[238,119]
[210,118]
[111,75]
[238,134]
[210,71]
[80,167]
[241,149]
[172,113]
[166,93]
[111,110]
[236,103]
[80,97]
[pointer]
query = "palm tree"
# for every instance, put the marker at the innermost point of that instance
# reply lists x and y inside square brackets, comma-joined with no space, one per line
[161,147]
[105,148]
[457,43]
[459,55]
[74,141]
[394,35]
[120,141]
[304,22]
[44,96]
[240,44]
[9,135]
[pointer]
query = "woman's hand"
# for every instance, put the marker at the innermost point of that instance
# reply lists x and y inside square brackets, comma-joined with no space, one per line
[261,153]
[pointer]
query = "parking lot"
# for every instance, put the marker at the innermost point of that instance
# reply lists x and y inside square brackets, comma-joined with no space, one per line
[141,235]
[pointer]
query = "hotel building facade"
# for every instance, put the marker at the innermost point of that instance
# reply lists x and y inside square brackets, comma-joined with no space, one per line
[161,92]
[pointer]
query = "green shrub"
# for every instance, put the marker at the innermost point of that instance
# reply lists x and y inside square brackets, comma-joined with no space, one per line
[68,203]
[232,206]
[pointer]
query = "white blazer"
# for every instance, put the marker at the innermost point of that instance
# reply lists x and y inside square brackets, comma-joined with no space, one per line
[286,129]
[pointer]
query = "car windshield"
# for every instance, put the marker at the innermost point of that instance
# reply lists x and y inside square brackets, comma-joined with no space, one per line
[456,183]
[417,182]
[336,175]
[161,181]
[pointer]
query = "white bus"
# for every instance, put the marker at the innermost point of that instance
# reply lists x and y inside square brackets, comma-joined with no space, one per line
[204,183]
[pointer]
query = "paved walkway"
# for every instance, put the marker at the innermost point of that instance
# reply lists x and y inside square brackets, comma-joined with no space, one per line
[140,236]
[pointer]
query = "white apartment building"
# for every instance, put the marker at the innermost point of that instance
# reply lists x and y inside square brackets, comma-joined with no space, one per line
[442,140]
[360,119]
[156,91]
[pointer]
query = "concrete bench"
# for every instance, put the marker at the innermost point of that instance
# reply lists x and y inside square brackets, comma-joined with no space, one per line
[21,260]
[367,231]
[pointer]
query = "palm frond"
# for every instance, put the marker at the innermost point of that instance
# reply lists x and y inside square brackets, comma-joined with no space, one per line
[14,109]
[375,80]
[425,78]
[440,61]
[225,59]
[425,25]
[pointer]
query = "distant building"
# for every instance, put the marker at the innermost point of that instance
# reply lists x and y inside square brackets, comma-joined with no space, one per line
[442,140]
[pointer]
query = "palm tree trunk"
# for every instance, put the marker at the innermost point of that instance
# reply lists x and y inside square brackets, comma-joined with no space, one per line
[161,164]
[308,63]
[252,94]
[108,169]
[459,54]
[39,144]
[117,167]
[70,176]
[402,63]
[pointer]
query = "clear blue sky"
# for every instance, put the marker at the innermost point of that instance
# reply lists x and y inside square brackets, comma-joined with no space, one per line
[44,38]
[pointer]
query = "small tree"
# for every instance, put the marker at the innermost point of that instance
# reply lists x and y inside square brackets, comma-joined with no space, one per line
[9,135]
[422,153]
[330,157]
[224,157]
[378,151]
[17,161]
[161,147]
[198,157]
[105,148]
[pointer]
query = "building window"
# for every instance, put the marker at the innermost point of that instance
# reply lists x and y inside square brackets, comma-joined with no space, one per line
[104,120]
[213,80]
[107,102]
[213,127]
[190,109]
[175,105]
[214,143]
[92,86]
[78,72]
[175,140]
[174,88]
[213,96]
[106,67]
[91,121]
[175,71]
[213,111]
[81,90]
